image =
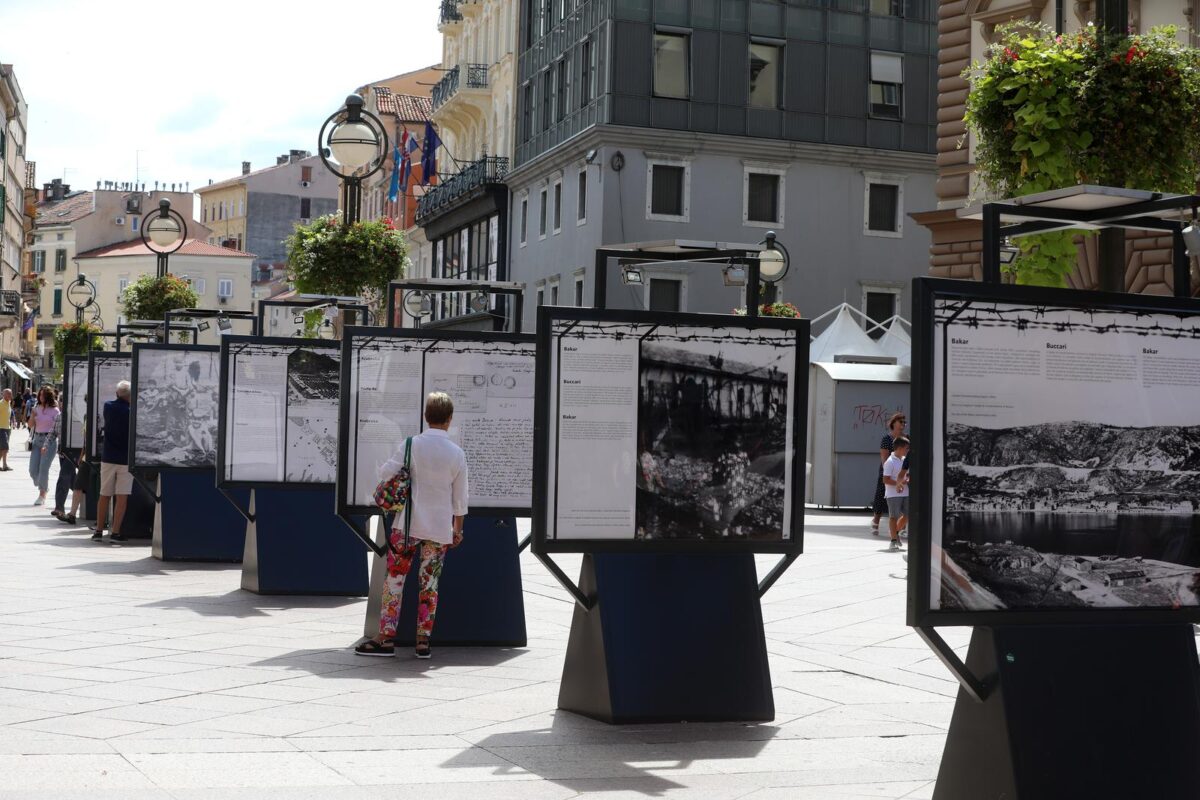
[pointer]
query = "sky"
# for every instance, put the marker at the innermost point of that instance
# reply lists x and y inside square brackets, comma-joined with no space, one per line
[180,92]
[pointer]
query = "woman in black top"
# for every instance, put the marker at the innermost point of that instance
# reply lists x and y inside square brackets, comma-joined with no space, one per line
[895,429]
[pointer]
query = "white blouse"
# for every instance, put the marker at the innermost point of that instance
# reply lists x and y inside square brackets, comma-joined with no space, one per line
[439,485]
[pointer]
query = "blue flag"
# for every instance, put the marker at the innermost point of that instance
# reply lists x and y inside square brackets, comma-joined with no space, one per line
[429,154]
[394,189]
[410,146]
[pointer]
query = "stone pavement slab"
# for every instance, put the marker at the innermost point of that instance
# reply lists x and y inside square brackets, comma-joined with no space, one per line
[126,677]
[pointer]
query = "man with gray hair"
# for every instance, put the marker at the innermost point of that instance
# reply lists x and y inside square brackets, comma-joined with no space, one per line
[115,479]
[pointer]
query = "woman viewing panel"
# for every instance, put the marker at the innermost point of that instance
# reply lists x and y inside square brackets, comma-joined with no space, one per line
[436,508]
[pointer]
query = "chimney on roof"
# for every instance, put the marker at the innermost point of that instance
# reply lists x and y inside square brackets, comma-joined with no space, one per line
[279,160]
[97,186]
[55,190]
[296,155]
[245,167]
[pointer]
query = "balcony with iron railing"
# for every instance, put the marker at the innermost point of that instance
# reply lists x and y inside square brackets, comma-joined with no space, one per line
[448,86]
[450,12]
[487,171]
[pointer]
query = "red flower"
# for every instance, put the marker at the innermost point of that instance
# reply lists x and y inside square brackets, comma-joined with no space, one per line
[1010,54]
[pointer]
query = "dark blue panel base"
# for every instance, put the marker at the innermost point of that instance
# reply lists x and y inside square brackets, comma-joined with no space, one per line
[480,603]
[194,521]
[298,545]
[1095,712]
[670,638]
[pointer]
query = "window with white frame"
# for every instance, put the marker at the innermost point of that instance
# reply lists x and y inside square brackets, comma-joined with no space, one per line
[558,206]
[225,287]
[883,205]
[579,289]
[664,294]
[668,184]
[39,261]
[524,219]
[762,195]
[879,303]
[542,216]
[122,285]
[553,284]
[581,198]
[200,284]
[887,85]
[540,295]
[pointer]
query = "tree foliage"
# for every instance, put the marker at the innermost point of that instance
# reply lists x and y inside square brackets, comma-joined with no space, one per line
[71,339]
[151,298]
[358,260]
[1050,111]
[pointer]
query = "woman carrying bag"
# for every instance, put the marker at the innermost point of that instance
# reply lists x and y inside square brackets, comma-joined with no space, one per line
[430,473]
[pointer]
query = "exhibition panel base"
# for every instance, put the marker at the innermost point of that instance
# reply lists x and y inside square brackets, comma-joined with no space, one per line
[296,544]
[193,522]
[670,637]
[1103,711]
[480,602]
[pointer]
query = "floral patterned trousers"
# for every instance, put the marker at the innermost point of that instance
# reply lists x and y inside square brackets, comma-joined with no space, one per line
[398,566]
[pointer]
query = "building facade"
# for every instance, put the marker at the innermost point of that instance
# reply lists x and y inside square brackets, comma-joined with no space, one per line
[465,216]
[69,223]
[257,210]
[219,275]
[965,30]
[403,103]
[14,227]
[661,126]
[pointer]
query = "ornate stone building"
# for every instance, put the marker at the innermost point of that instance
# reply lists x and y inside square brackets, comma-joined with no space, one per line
[965,28]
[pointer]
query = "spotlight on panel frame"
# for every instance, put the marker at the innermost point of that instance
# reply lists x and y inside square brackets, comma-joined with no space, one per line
[1191,239]
[735,275]
[479,303]
[631,276]
[1008,252]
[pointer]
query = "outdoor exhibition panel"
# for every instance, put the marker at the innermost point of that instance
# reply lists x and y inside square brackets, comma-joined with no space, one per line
[668,450]
[277,437]
[691,427]
[386,375]
[1056,478]
[105,371]
[173,407]
[279,411]
[173,432]
[73,401]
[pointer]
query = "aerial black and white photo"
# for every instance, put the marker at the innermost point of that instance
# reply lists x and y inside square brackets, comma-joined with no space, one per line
[175,424]
[310,449]
[714,432]
[1071,466]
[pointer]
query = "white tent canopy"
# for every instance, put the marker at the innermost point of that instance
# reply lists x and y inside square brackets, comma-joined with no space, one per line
[843,337]
[896,342]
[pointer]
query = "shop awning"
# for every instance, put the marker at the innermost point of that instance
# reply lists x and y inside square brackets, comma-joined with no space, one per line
[19,368]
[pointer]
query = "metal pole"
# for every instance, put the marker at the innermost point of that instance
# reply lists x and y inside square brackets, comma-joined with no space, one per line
[991,244]
[1181,266]
[753,282]
[600,289]
[162,264]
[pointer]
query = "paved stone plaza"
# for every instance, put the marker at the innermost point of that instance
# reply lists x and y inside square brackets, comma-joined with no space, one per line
[124,677]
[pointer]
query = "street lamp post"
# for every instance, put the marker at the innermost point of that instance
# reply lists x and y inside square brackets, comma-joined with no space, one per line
[357,141]
[770,266]
[163,231]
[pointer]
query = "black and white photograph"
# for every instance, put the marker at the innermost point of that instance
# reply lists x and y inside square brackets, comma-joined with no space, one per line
[713,434]
[74,402]
[310,449]
[175,419]
[1071,467]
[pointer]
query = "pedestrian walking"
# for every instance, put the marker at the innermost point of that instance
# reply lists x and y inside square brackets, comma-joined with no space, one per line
[879,506]
[116,482]
[436,507]
[896,489]
[43,424]
[6,412]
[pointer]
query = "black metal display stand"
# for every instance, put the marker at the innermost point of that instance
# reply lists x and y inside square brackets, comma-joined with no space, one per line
[668,638]
[480,602]
[1077,712]
[192,522]
[296,544]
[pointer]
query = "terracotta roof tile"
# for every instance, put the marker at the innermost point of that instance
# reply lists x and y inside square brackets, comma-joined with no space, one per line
[412,108]
[192,247]
[63,212]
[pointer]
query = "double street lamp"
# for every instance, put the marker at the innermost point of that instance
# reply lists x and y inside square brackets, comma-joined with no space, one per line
[163,231]
[358,143]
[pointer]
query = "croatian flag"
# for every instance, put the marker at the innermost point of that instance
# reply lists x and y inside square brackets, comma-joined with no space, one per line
[394,189]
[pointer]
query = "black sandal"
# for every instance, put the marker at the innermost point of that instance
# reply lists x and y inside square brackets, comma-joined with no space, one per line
[423,650]
[372,647]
